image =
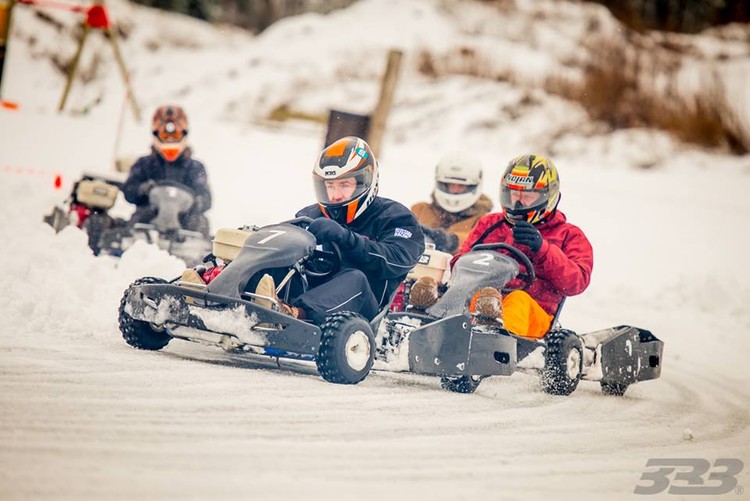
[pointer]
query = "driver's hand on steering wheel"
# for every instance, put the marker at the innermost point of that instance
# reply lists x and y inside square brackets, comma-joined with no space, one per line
[146,187]
[328,230]
[525,233]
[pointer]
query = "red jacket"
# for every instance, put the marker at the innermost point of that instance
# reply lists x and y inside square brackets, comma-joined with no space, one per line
[563,264]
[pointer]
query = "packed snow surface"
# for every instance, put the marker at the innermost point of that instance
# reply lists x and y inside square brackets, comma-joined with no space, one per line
[85,416]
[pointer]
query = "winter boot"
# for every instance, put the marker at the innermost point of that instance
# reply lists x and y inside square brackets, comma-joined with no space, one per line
[489,307]
[191,276]
[424,293]
[266,289]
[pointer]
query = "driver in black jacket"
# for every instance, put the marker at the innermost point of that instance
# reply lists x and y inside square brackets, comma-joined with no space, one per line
[170,160]
[380,239]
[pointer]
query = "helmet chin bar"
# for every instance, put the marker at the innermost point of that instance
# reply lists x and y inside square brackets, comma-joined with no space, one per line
[346,212]
[522,213]
[338,214]
[535,214]
[170,151]
[456,202]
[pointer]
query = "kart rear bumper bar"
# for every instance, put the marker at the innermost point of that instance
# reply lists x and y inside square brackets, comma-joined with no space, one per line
[627,354]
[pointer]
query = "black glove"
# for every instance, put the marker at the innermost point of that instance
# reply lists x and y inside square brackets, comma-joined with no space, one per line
[444,240]
[526,234]
[145,188]
[200,205]
[328,230]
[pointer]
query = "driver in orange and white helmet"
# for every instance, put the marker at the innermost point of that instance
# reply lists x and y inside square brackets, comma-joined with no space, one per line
[380,240]
[170,161]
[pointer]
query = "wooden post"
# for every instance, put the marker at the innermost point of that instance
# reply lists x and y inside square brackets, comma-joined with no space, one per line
[112,37]
[73,67]
[120,124]
[6,9]
[383,108]
[98,19]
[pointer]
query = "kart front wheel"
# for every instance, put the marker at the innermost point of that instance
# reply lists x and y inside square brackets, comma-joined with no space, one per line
[563,362]
[95,226]
[460,384]
[347,348]
[137,333]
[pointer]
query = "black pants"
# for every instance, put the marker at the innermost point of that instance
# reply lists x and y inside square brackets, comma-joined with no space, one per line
[348,290]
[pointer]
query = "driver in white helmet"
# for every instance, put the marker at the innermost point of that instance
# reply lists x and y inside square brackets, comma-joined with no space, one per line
[170,160]
[530,220]
[457,201]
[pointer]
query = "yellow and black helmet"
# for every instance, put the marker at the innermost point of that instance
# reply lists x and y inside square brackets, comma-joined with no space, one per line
[530,173]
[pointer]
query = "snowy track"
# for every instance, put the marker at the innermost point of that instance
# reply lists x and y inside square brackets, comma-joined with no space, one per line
[84,417]
[96,419]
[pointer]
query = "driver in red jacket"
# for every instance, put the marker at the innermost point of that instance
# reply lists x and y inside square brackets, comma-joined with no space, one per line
[561,254]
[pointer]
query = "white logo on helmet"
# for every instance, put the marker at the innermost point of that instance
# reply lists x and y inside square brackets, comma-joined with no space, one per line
[525,181]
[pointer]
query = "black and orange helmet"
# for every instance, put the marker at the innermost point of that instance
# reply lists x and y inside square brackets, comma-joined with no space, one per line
[170,127]
[349,157]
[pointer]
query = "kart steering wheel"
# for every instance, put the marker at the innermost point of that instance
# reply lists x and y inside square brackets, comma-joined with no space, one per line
[321,263]
[168,183]
[527,277]
[301,221]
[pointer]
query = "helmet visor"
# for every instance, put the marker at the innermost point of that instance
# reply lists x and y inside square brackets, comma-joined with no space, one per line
[343,189]
[523,199]
[453,188]
[169,133]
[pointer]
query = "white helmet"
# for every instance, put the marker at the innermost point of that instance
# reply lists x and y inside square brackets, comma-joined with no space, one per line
[458,168]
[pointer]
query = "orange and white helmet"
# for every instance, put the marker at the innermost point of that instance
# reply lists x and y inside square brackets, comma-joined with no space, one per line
[169,127]
[349,157]
[530,173]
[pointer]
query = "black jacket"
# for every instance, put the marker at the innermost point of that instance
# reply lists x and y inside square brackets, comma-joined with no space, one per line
[388,243]
[185,170]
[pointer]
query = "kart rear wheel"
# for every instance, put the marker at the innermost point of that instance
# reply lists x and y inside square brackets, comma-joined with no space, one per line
[460,384]
[347,348]
[563,362]
[616,389]
[137,333]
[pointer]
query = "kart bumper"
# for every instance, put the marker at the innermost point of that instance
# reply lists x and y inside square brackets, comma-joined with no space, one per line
[203,317]
[626,354]
[454,347]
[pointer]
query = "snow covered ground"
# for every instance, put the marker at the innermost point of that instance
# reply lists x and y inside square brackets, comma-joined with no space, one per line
[84,416]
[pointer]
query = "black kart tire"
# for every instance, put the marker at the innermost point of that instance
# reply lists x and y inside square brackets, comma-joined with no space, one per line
[137,333]
[347,348]
[460,384]
[95,226]
[563,362]
[616,389]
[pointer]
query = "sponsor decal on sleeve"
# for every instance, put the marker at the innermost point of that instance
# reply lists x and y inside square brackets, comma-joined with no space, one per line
[400,232]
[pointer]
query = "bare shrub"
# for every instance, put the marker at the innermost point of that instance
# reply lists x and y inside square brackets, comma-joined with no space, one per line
[629,84]
[709,118]
[460,61]
[426,64]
